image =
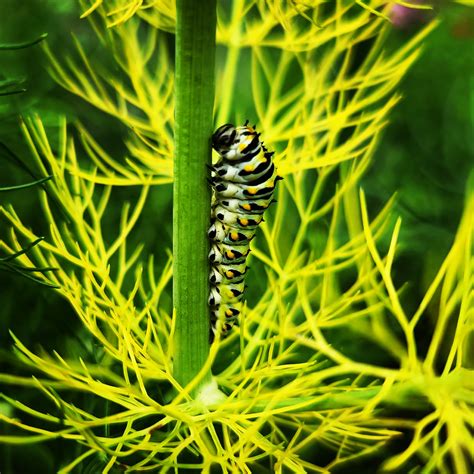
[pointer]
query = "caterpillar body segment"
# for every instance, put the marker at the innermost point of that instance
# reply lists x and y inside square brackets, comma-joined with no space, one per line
[257,206]
[226,254]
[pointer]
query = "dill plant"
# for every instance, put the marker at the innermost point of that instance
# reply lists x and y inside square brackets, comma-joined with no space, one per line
[286,388]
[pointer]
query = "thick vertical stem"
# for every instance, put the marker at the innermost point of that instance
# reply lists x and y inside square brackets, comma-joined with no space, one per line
[194,93]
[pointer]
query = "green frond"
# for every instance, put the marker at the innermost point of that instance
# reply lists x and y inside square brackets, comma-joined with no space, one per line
[8,263]
[117,12]
[139,96]
[162,14]
[302,119]
[26,185]
[289,379]
[24,44]
[11,86]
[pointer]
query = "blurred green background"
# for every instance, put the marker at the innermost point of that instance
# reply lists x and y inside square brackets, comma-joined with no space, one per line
[426,155]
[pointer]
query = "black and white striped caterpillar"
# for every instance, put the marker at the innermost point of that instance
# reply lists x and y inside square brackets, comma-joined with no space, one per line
[243,182]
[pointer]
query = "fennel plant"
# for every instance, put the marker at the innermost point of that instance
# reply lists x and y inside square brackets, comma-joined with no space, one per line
[287,387]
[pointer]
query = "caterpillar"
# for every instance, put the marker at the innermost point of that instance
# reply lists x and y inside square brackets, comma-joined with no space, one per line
[243,181]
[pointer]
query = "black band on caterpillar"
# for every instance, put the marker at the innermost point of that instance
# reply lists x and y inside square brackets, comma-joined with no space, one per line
[243,182]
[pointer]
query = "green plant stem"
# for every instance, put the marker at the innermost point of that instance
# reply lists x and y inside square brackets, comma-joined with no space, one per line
[194,92]
[231,64]
[396,396]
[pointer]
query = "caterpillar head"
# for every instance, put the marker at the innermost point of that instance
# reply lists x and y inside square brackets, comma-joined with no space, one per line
[233,143]
[224,138]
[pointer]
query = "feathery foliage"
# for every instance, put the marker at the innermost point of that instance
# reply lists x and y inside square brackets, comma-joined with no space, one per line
[320,83]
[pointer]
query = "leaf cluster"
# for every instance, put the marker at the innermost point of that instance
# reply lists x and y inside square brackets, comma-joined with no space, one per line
[321,84]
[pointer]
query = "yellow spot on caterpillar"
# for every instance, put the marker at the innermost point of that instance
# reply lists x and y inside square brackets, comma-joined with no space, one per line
[230,255]
[249,168]
[244,222]
[247,207]
[229,274]
[234,236]
[228,312]
[242,146]
[253,191]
